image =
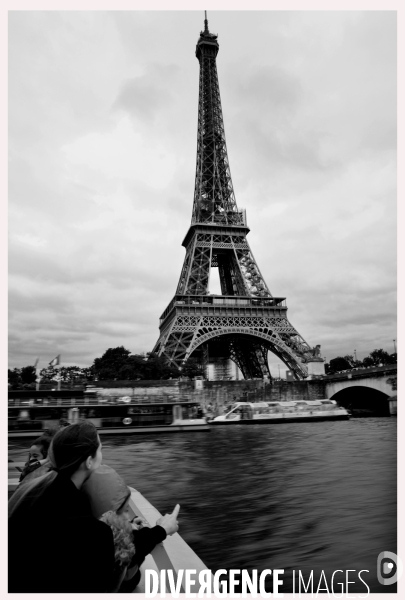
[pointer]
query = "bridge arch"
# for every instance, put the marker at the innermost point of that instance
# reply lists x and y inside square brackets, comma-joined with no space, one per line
[362,400]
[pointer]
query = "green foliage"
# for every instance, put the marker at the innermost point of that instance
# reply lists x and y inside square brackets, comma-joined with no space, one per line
[157,367]
[192,368]
[118,363]
[25,377]
[14,378]
[376,358]
[73,375]
[48,375]
[110,365]
[28,375]
[76,375]
[340,363]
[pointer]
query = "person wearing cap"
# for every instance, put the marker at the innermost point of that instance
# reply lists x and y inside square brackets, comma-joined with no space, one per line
[109,499]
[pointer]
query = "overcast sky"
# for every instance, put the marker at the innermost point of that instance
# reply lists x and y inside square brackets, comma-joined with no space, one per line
[102,147]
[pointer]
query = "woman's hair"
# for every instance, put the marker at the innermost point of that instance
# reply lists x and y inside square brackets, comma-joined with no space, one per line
[72,445]
[123,540]
[43,442]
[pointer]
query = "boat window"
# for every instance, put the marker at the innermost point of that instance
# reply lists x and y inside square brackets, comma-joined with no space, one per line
[42,413]
[233,414]
[190,411]
[141,415]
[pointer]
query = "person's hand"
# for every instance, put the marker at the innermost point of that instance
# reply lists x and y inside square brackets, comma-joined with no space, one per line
[169,522]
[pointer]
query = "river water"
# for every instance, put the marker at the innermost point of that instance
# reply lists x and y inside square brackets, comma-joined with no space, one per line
[303,496]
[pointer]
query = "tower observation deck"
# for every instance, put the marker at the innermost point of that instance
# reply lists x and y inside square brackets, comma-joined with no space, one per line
[245,321]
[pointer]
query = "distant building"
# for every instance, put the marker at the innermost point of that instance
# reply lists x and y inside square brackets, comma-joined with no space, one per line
[223,369]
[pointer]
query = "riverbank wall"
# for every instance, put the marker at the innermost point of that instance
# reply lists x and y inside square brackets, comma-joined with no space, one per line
[212,395]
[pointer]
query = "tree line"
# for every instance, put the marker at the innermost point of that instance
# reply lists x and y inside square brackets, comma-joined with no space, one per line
[115,364]
[119,364]
[376,358]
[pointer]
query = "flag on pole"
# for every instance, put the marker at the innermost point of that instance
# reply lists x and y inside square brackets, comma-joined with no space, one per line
[37,369]
[55,361]
[37,375]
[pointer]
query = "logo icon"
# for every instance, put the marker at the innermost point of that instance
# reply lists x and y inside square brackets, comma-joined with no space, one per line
[389,568]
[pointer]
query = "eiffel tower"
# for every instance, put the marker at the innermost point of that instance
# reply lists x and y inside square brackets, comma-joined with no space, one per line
[246,321]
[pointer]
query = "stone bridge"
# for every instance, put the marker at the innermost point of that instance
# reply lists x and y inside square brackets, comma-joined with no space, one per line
[365,389]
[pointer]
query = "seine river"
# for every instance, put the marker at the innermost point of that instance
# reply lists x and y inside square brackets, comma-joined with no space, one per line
[308,496]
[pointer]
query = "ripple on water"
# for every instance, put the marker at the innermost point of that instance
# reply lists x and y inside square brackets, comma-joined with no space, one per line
[304,496]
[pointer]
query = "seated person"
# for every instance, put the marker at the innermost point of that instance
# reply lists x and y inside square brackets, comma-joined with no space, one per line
[37,456]
[52,515]
[109,499]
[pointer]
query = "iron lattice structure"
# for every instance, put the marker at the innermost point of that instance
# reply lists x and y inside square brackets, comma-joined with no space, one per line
[246,321]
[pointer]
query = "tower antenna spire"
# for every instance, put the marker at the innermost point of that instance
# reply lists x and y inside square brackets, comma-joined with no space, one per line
[206,23]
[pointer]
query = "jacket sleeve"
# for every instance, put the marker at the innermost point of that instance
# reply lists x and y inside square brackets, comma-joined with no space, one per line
[146,539]
[106,565]
[93,560]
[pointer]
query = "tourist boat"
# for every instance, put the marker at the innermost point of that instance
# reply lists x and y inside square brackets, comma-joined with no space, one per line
[282,412]
[30,413]
[172,554]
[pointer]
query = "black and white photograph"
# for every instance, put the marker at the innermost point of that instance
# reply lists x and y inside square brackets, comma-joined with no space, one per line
[202,302]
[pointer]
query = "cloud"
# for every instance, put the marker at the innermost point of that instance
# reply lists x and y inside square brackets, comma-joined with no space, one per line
[145,96]
[102,140]
[122,154]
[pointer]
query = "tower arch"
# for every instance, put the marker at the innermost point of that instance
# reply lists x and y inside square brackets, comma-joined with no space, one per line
[256,343]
